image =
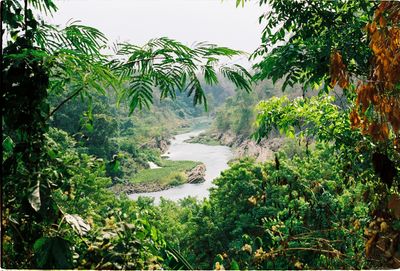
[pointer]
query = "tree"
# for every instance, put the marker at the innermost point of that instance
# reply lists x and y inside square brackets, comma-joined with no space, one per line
[380,92]
[300,36]
[299,214]
[171,66]
[38,59]
[321,45]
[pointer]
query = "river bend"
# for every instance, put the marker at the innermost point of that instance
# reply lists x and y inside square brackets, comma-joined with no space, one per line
[215,159]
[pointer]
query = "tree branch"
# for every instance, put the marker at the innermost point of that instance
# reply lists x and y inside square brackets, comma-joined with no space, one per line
[142,60]
[63,102]
[25,16]
[334,252]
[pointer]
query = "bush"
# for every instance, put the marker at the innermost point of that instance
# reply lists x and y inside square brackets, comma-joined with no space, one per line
[297,213]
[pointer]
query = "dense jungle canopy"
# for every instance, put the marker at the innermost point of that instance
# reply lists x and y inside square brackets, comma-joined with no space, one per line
[81,128]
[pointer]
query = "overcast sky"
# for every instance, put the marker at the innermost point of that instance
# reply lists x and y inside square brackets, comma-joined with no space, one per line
[188,21]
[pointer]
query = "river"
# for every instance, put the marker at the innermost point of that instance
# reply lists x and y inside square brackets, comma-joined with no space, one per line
[215,159]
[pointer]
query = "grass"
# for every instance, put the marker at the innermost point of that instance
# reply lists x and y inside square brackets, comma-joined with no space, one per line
[171,173]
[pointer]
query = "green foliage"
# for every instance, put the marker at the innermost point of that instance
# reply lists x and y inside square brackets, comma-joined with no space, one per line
[23,123]
[308,209]
[303,34]
[318,118]
[237,115]
[30,68]
[126,143]
[124,245]
[112,232]
[44,182]
[53,252]
[260,216]
[177,261]
[172,66]
[315,117]
[74,60]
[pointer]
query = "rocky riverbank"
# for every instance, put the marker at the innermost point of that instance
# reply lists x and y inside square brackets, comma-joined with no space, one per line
[243,147]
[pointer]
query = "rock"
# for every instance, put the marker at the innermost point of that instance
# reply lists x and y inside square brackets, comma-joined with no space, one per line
[163,144]
[159,143]
[153,165]
[130,188]
[117,180]
[227,139]
[262,151]
[196,175]
[250,148]
[245,147]
[274,143]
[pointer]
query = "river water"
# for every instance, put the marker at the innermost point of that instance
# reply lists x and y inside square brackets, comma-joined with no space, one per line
[215,159]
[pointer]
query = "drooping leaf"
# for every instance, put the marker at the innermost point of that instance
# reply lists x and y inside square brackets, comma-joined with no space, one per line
[34,197]
[177,260]
[77,223]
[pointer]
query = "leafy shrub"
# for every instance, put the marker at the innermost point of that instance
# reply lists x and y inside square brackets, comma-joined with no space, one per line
[297,213]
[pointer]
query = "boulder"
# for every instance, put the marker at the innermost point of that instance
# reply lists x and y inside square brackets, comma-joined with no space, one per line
[163,144]
[159,143]
[227,139]
[196,175]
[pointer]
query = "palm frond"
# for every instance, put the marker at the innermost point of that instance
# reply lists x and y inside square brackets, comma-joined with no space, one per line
[172,66]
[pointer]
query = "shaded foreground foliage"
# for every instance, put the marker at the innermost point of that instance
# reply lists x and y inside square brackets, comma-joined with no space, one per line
[263,217]
[303,210]
[38,60]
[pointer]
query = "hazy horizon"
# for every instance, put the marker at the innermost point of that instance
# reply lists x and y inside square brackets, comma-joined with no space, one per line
[188,21]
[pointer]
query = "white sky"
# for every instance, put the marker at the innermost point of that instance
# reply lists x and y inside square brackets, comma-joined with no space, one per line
[187,21]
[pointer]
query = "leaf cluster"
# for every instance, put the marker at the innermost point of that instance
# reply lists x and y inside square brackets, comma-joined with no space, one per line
[173,67]
[299,37]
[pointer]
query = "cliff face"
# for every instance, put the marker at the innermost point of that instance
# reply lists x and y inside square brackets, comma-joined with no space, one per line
[159,143]
[245,147]
[262,151]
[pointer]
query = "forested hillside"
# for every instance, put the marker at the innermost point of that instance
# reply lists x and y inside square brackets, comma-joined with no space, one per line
[234,120]
[107,131]
[81,130]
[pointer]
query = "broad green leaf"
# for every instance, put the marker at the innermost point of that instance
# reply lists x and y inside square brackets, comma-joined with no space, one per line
[53,253]
[8,144]
[234,265]
[153,233]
